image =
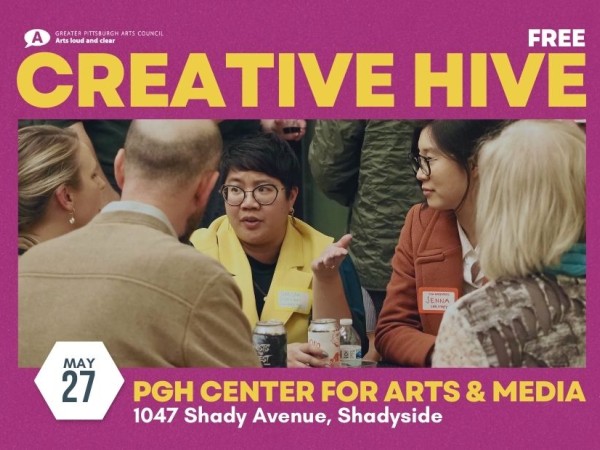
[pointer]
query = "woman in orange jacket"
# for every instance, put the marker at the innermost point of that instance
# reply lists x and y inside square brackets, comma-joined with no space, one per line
[435,261]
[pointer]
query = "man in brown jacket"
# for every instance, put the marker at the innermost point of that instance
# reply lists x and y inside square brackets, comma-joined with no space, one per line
[126,280]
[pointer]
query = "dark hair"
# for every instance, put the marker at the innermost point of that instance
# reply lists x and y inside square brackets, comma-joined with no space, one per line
[459,140]
[265,153]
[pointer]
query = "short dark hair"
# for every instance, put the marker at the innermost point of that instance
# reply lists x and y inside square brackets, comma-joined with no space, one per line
[265,153]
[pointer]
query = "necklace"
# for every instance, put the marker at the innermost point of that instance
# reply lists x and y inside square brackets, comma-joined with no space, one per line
[262,292]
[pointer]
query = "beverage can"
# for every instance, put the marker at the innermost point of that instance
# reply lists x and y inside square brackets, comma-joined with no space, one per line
[325,334]
[270,343]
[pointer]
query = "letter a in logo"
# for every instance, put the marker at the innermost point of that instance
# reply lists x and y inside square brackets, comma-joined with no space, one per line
[37,38]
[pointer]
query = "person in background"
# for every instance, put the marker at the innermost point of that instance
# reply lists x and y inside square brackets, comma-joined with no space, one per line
[362,164]
[60,187]
[531,230]
[436,259]
[286,270]
[126,280]
[288,129]
[104,137]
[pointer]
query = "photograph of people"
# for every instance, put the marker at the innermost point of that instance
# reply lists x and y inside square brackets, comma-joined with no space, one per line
[474,281]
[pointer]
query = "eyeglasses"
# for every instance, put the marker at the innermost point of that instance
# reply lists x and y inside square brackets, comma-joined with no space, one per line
[421,162]
[264,194]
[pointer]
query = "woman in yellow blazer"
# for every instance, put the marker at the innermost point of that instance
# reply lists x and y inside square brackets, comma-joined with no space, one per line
[285,269]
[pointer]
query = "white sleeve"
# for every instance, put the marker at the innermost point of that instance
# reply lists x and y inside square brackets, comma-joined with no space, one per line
[456,344]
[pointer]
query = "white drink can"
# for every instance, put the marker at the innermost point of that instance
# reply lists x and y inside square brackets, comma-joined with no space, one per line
[325,334]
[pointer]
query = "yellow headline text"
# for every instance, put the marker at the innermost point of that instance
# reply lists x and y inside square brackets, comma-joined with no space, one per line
[102,78]
[450,391]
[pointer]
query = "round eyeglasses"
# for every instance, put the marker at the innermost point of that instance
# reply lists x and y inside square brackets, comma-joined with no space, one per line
[421,162]
[264,194]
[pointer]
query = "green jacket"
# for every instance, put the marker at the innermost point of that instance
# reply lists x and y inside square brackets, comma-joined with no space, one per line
[364,164]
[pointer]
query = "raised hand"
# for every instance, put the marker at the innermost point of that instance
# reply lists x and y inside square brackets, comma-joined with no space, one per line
[332,256]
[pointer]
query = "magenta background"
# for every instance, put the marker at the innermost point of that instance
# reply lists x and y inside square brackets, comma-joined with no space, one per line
[324,28]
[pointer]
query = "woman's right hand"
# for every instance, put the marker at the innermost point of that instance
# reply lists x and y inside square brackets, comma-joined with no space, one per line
[305,355]
[328,263]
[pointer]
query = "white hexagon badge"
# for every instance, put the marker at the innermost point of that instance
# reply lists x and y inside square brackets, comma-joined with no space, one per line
[79,380]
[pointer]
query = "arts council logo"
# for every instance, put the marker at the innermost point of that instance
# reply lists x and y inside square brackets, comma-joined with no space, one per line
[36,38]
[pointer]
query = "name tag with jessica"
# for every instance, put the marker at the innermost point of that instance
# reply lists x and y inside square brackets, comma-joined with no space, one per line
[436,300]
[297,301]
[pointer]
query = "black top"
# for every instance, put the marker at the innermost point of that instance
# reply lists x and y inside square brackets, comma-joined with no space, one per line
[262,275]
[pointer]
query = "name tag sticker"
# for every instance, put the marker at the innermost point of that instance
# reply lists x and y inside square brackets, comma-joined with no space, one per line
[297,301]
[436,300]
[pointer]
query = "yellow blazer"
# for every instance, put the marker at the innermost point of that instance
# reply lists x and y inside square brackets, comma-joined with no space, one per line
[292,279]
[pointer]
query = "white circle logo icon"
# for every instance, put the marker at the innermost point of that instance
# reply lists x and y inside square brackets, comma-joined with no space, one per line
[36,38]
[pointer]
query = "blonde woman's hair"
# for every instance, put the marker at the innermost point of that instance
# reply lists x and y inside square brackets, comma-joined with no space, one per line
[531,203]
[48,157]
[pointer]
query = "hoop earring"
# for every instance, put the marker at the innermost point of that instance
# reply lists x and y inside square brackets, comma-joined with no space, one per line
[72,218]
[292,215]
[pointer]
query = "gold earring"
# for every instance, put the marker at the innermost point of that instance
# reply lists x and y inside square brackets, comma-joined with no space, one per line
[72,218]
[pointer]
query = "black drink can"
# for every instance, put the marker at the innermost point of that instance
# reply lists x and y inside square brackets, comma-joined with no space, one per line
[270,343]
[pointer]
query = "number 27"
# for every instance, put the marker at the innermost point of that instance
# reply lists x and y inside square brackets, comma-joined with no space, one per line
[73,375]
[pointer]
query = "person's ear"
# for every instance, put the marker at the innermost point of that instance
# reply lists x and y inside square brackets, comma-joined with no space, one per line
[293,196]
[64,198]
[474,170]
[473,167]
[120,168]
[205,186]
